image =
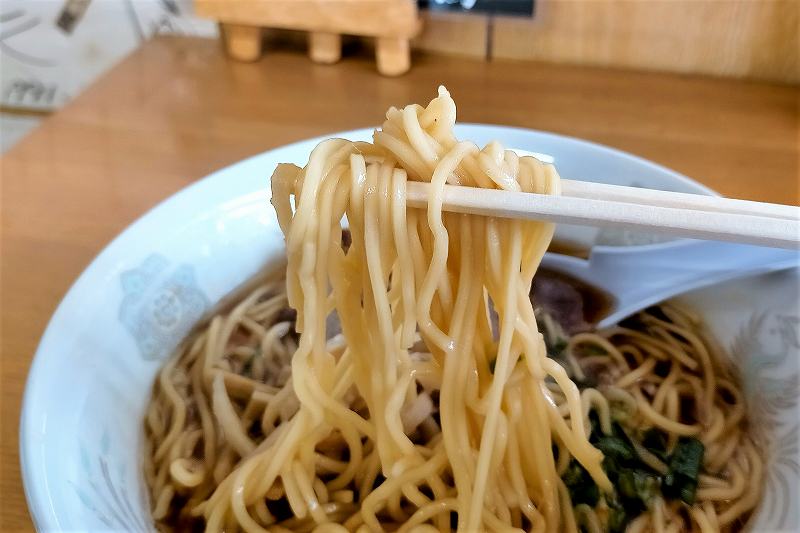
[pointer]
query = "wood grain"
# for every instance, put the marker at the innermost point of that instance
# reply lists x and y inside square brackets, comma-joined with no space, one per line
[453,34]
[177,109]
[377,18]
[736,38]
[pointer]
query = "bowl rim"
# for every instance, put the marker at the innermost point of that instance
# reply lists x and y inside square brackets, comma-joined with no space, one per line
[41,506]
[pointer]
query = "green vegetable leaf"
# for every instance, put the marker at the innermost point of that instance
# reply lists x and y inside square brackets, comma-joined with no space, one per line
[592,349]
[637,484]
[616,448]
[581,486]
[655,441]
[684,470]
[557,348]
[618,453]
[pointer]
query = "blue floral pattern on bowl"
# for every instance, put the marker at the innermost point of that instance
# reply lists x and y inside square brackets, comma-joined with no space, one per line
[765,350]
[106,494]
[160,306]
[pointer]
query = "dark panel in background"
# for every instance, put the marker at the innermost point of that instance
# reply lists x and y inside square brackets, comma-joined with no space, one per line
[523,8]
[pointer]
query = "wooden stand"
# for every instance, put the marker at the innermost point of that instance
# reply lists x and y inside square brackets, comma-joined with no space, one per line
[392,22]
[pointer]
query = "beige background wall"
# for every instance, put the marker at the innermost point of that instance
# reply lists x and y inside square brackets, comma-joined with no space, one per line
[756,39]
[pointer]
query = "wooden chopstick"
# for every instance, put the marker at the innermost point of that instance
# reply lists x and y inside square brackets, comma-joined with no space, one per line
[638,195]
[677,214]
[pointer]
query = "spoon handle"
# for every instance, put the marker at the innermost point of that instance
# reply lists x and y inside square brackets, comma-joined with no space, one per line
[637,277]
[643,279]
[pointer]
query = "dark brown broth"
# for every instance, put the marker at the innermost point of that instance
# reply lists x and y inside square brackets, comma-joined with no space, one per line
[574,304]
[570,248]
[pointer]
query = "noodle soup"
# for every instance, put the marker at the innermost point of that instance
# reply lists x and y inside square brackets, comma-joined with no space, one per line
[611,368]
[406,381]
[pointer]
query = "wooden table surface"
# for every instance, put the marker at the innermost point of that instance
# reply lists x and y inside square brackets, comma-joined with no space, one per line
[177,109]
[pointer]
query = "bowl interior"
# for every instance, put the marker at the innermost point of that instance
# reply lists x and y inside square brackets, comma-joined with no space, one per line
[92,374]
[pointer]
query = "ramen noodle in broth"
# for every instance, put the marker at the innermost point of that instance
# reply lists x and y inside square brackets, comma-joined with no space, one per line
[400,377]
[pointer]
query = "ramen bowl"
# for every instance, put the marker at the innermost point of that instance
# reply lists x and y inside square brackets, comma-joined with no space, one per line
[91,378]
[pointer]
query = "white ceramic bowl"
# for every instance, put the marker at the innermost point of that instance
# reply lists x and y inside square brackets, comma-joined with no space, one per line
[91,377]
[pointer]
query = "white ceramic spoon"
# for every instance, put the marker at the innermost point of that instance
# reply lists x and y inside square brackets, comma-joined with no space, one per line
[636,277]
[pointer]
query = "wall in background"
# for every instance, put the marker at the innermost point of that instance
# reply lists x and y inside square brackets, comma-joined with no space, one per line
[749,39]
[755,39]
[454,33]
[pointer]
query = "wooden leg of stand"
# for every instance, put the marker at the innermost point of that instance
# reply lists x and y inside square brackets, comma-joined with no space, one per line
[242,42]
[324,47]
[393,55]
